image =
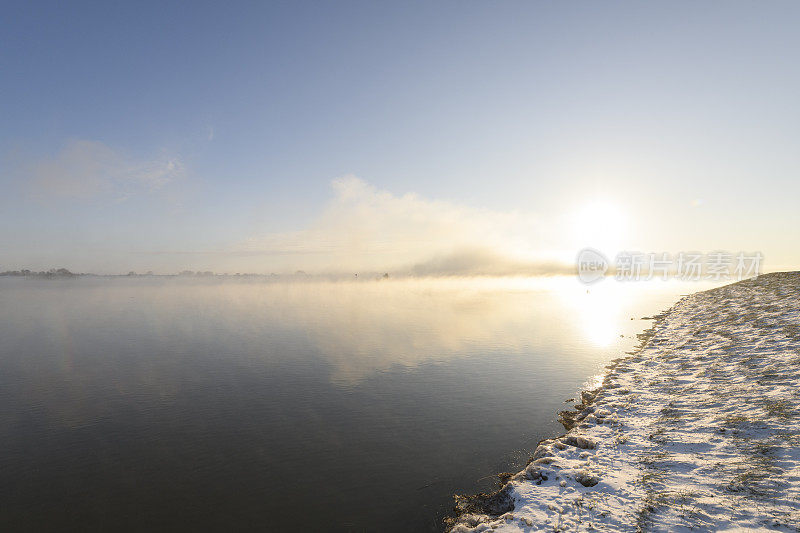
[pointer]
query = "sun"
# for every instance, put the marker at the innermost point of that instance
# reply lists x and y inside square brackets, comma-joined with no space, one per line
[598,224]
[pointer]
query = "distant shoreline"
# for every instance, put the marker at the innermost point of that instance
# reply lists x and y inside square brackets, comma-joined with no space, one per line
[299,275]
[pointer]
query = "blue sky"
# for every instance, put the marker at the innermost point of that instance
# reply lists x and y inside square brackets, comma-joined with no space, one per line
[162,136]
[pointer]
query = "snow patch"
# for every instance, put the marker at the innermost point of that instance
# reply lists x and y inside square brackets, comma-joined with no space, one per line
[699,429]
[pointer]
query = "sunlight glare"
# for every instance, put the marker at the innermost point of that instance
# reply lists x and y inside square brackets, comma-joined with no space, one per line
[598,224]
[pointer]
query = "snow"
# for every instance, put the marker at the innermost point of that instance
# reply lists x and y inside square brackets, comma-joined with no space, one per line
[698,429]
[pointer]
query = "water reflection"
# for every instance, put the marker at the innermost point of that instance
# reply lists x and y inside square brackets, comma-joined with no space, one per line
[358,328]
[183,403]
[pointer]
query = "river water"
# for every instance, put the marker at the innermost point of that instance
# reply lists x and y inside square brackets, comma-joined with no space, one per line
[253,404]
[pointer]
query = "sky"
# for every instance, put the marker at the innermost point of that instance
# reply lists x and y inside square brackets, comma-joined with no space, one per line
[425,137]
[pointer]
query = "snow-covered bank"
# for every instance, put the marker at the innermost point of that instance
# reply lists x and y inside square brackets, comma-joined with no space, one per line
[698,429]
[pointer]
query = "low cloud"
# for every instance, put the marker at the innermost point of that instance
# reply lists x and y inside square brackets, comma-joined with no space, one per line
[366,229]
[87,170]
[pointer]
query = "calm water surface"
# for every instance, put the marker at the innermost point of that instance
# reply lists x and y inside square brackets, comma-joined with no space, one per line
[242,405]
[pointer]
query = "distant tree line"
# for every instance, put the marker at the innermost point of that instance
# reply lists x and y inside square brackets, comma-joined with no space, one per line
[52,273]
[64,273]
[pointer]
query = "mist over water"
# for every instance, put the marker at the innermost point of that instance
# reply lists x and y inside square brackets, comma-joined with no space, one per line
[161,403]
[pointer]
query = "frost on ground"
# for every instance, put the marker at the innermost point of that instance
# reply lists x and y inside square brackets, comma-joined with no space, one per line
[698,429]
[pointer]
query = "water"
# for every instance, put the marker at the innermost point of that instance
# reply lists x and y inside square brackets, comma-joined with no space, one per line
[164,404]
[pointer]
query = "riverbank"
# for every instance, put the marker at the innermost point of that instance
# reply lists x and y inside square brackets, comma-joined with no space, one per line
[698,428]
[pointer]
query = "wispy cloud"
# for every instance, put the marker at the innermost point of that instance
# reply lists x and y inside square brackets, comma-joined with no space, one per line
[87,170]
